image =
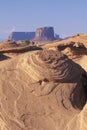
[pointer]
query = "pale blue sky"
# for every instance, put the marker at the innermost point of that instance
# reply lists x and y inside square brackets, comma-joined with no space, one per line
[66,16]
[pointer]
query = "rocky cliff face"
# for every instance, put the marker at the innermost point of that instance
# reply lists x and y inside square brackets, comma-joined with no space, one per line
[15,36]
[44,34]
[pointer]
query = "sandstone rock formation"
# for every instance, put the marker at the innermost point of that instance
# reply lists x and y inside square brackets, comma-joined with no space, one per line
[41,90]
[80,121]
[44,34]
[15,36]
[74,47]
[7,44]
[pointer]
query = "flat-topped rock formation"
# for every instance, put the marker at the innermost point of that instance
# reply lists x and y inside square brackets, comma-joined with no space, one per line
[44,34]
[41,90]
[15,36]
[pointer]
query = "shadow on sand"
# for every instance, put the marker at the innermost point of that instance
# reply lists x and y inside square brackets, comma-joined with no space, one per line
[3,57]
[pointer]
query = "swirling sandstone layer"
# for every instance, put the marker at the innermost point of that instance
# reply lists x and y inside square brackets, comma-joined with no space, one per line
[41,90]
[74,47]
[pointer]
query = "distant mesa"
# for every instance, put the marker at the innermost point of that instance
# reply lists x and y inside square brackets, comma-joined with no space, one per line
[16,36]
[43,34]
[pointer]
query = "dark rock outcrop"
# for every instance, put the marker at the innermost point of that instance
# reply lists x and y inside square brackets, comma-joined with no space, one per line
[44,34]
[57,37]
[15,36]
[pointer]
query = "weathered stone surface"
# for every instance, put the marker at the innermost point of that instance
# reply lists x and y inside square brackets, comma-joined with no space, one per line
[41,90]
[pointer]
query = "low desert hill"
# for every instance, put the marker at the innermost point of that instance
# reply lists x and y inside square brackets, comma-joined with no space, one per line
[74,47]
[81,38]
[44,88]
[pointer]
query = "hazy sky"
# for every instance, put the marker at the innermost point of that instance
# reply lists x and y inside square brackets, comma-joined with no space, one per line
[66,16]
